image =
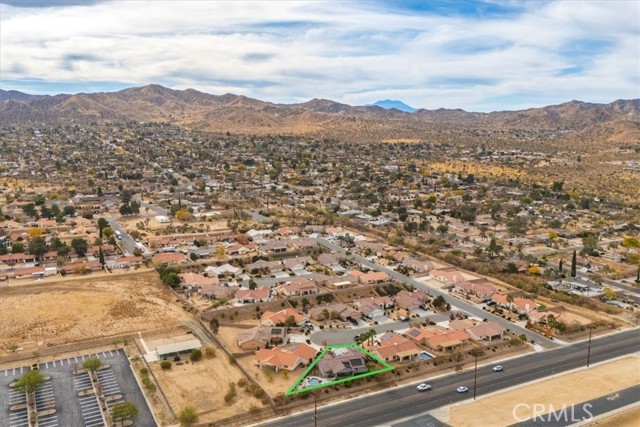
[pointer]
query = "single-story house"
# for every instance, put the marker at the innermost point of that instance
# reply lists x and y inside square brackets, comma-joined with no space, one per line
[342,362]
[260,337]
[252,296]
[298,286]
[271,318]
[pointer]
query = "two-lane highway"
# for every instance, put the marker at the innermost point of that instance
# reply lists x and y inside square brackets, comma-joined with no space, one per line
[386,407]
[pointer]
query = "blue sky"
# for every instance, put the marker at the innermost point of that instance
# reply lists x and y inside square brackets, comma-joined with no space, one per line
[476,55]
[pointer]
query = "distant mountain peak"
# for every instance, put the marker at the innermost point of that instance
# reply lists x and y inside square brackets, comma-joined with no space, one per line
[388,104]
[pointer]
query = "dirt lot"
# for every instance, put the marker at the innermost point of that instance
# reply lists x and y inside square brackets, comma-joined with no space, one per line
[203,385]
[567,389]
[151,226]
[84,308]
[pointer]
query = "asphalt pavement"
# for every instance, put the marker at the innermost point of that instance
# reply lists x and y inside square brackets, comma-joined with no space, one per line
[461,304]
[346,336]
[393,405]
[126,243]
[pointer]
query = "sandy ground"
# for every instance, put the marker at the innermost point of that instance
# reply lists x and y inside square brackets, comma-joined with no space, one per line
[203,386]
[497,410]
[628,418]
[77,310]
[129,223]
[274,383]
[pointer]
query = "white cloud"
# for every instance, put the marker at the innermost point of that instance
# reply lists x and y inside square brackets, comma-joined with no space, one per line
[346,51]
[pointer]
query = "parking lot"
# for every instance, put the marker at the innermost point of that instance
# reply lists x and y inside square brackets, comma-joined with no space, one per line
[62,392]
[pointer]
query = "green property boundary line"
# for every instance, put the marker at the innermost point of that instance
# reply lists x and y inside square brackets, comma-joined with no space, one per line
[387,368]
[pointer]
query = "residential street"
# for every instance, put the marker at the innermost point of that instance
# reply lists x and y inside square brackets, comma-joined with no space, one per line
[463,305]
[387,407]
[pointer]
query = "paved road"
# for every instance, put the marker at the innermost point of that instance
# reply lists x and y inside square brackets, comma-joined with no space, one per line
[346,336]
[389,406]
[126,243]
[153,210]
[463,305]
[580,412]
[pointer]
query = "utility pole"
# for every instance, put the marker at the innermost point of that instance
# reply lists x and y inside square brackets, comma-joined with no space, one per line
[475,377]
[315,410]
[589,348]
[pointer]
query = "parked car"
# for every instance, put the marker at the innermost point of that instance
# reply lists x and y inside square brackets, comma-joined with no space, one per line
[404,319]
[462,389]
[357,338]
[424,387]
[353,321]
[497,368]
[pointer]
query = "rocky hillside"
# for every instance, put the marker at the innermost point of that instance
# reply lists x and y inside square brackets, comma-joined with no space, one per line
[575,121]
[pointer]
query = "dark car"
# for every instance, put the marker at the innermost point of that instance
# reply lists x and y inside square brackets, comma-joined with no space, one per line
[354,321]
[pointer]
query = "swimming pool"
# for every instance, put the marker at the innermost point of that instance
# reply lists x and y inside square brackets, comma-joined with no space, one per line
[425,356]
[311,381]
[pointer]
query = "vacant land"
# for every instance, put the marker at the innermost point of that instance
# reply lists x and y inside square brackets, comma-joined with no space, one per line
[77,310]
[628,418]
[568,389]
[204,385]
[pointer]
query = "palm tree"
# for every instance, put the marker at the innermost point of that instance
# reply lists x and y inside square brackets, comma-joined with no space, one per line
[510,301]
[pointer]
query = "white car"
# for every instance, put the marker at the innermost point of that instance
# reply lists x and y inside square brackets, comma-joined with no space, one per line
[497,368]
[424,387]
[462,389]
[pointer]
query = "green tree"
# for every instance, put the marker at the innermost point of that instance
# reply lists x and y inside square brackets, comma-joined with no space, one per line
[17,247]
[38,247]
[589,245]
[68,210]
[92,364]
[439,302]
[517,226]
[494,248]
[101,257]
[290,321]
[171,279]
[80,245]
[574,263]
[124,411]
[187,416]
[196,355]
[30,381]
[560,268]
[63,251]
[102,223]
[30,210]
[510,301]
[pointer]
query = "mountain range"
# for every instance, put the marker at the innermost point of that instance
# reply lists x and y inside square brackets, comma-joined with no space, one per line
[617,122]
[388,104]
